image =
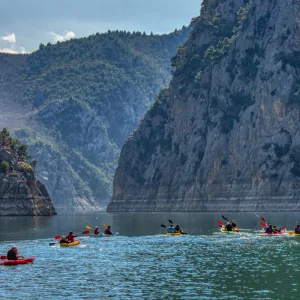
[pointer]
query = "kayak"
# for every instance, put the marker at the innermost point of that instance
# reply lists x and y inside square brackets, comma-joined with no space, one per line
[174,234]
[228,232]
[24,261]
[293,233]
[235,230]
[75,243]
[273,233]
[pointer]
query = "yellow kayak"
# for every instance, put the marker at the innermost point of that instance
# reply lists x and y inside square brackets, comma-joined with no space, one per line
[293,233]
[174,234]
[75,243]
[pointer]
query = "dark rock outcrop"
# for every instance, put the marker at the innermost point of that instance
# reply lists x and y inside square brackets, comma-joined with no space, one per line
[225,135]
[21,193]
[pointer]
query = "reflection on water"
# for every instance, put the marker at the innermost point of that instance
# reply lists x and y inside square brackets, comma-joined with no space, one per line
[141,263]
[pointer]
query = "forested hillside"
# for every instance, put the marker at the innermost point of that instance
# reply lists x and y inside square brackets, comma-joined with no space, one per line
[74,103]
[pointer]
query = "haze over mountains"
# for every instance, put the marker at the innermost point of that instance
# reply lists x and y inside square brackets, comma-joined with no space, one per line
[74,104]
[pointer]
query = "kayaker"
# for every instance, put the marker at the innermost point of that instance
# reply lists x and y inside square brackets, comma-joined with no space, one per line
[12,253]
[233,224]
[177,229]
[171,229]
[96,230]
[71,237]
[108,231]
[269,229]
[63,240]
[297,229]
[228,226]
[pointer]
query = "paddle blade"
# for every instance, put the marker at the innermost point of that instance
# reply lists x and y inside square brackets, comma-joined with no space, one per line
[170,221]
[164,226]
[86,232]
[220,225]
[104,225]
[262,224]
[52,244]
[263,219]
[88,227]
[220,222]
[58,237]
[236,230]
[224,218]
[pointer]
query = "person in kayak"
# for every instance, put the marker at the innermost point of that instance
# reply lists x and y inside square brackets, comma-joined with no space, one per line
[171,229]
[269,229]
[178,229]
[108,231]
[228,226]
[297,229]
[233,224]
[96,230]
[63,240]
[12,254]
[71,237]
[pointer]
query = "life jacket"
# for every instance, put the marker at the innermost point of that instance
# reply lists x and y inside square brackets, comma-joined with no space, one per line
[96,231]
[12,255]
[107,231]
[70,237]
[171,229]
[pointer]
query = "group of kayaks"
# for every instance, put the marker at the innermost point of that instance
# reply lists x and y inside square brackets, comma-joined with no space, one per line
[267,228]
[95,233]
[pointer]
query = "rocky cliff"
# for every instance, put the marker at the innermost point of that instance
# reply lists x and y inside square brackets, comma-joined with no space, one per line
[74,104]
[21,193]
[225,134]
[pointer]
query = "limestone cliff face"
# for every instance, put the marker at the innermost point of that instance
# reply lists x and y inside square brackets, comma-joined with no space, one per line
[21,193]
[225,135]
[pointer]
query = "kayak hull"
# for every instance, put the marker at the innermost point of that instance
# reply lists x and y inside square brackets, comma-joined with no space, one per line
[24,261]
[293,233]
[235,230]
[75,243]
[174,234]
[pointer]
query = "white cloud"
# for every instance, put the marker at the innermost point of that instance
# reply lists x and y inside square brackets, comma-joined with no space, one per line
[23,50]
[8,50]
[67,35]
[11,38]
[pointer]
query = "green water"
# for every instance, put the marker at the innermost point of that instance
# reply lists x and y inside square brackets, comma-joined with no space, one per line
[142,263]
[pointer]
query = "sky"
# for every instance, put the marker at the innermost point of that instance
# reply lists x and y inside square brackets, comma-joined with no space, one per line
[24,24]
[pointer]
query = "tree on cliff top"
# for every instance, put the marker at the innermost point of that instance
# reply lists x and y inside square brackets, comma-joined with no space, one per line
[14,144]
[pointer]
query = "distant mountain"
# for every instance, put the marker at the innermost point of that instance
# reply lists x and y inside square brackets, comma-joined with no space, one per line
[74,103]
[225,135]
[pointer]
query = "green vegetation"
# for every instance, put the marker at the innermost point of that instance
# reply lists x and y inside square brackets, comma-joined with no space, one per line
[14,144]
[4,166]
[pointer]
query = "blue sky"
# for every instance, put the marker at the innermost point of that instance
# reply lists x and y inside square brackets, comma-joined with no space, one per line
[24,24]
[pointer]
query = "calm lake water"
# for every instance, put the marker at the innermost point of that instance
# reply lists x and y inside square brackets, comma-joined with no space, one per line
[142,263]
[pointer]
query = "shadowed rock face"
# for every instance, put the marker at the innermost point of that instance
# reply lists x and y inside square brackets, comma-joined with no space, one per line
[21,193]
[225,135]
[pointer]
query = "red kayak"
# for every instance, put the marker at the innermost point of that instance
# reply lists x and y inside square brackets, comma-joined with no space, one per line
[21,261]
[277,232]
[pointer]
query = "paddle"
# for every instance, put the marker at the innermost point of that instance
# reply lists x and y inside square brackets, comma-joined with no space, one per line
[225,218]
[164,226]
[263,219]
[88,227]
[262,224]
[220,222]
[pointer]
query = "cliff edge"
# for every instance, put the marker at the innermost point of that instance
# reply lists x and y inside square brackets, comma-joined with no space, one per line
[21,193]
